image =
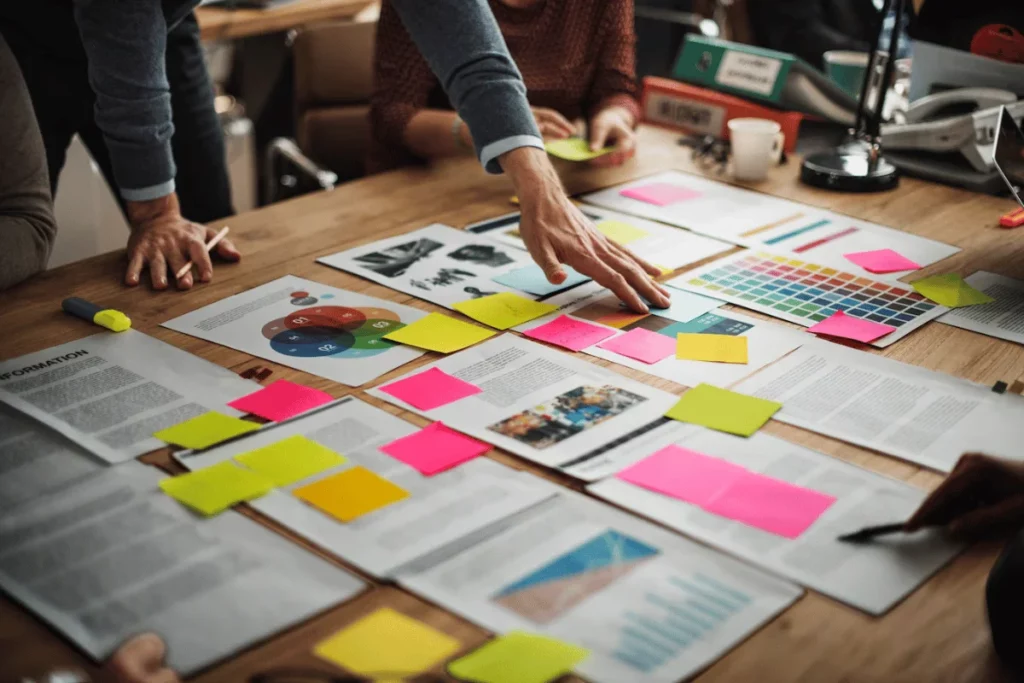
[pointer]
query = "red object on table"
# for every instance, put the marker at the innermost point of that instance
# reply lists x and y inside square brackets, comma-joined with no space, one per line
[1014,219]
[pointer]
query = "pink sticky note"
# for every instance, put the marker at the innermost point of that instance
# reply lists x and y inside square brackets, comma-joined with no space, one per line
[770,504]
[642,345]
[569,333]
[882,261]
[660,194]
[690,476]
[280,400]
[430,389]
[841,325]
[435,449]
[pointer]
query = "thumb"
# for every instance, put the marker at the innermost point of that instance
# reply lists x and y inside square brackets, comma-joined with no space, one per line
[599,130]
[545,258]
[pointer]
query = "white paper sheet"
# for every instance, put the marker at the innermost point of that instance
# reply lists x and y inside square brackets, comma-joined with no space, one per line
[302,324]
[111,557]
[437,263]
[919,415]
[871,576]
[439,511]
[111,391]
[650,606]
[1003,318]
[542,404]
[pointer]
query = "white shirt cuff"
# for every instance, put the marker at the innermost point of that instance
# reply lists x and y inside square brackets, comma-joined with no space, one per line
[489,154]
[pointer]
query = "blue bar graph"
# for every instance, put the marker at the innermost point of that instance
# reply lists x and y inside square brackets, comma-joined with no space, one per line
[799,231]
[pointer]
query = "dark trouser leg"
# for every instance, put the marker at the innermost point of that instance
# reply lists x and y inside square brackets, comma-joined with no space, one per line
[198,143]
[1004,596]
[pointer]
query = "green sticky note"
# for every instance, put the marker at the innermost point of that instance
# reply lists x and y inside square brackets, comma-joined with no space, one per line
[950,290]
[620,231]
[503,310]
[214,489]
[290,460]
[574,149]
[205,430]
[518,658]
[441,333]
[723,410]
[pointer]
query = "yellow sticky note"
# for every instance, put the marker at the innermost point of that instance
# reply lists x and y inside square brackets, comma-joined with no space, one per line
[723,410]
[518,658]
[387,646]
[621,232]
[950,290]
[205,430]
[290,460]
[214,489]
[351,494]
[503,310]
[437,332]
[574,149]
[717,348]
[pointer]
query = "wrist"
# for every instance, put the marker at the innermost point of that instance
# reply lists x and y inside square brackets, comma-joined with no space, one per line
[143,213]
[531,173]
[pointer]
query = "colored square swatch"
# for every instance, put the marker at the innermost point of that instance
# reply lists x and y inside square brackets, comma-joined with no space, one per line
[351,494]
[290,460]
[841,325]
[281,400]
[569,333]
[430,389]
[435,448]
[724,410]
[882,261]
[660,194]
[503,310]
[203,431]
[715,348]
[518,657]
[642,345]
[771,505]
[441,333]
[620,232]
[532,279]
[687,475]
[950,290]
[214,489]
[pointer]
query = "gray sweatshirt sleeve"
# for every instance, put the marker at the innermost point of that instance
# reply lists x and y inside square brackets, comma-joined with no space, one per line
[27,228]
[462,43]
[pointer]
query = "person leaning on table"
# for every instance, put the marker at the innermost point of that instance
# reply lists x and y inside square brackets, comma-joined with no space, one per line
[123,50]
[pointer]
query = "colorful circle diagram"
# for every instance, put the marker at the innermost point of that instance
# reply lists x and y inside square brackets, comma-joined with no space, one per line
[332,331]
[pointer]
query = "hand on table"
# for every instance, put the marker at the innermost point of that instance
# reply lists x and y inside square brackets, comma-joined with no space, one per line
[557,232]
[981,496]
[613,127]
[139,660]
[165,241]
[552,124]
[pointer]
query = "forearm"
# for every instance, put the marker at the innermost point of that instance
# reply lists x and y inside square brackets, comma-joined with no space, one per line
[436,134]
[533,177]
[27,240]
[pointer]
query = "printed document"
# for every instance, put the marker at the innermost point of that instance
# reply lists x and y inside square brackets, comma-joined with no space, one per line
[1003,318]
[111,557]
[111,391]
[872,576]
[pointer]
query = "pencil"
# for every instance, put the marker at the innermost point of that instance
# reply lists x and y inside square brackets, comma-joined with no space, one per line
[868,533]
[209,245]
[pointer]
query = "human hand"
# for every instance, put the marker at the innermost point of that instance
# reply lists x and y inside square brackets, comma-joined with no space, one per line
[139,660]
[557,232]
[981,496]
[613,127]
[162,238]
[552,124]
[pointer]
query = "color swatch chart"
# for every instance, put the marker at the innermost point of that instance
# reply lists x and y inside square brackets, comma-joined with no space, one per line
[807,293]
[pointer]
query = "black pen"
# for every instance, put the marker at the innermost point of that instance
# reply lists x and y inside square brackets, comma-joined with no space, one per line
[870,532]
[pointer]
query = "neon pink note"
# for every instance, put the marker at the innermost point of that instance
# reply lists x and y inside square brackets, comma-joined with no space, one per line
[690,476]
[430,389]
[841,325]
[660,194]
[642,345]
[882,261]
[281,400]
[435,448]
[772,505]
[569,333]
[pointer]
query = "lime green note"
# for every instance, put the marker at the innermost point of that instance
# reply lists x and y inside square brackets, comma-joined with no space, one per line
[574,149]
[503,310]
[205,430]
[723,410]
[950,290]
[518,658]
[387,646]
[290,460]
[214,489]
[621,232]
[437,332]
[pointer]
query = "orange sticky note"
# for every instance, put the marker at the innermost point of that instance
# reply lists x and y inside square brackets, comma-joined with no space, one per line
[351,494]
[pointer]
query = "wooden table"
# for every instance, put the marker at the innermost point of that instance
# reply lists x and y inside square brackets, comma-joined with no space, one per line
[217,23]
[938,634]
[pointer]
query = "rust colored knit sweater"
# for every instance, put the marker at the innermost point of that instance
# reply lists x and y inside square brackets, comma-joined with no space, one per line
[576,56]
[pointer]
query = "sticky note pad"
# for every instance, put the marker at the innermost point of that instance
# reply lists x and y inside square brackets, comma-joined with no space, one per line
[772,505]
[205,430]
[717,348]
[642,345]
[574,149]
[724,410]
[435,448]
[281,400]
[950,290]
[214,489]
[387,642]
[841,325]
[882,261]
[532,279]
[503,310]
[518,657]
[441,333]
[569,333]
[683,474]
[351,494]
[290,460]
[620,232]
[430,389]
[660,194]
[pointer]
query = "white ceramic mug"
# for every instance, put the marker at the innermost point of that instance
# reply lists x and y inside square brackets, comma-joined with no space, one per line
[756,145]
